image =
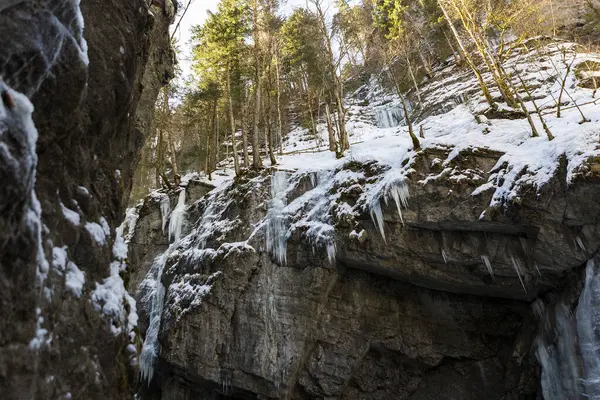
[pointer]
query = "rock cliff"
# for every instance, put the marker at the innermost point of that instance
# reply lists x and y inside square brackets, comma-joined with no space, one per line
[74,76]
[455,271]
[417,315]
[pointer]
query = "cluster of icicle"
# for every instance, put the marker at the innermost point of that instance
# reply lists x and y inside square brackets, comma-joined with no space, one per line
[308,213]
[485,259]
[570,356]
[391,187]
[311,212]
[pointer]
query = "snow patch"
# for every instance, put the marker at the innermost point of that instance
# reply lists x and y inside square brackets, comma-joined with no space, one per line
[83,190]
[188,291]
[42,336]
[75,279]
[71,216]
[111,297]
[59,258]
[127,228]
[96,232]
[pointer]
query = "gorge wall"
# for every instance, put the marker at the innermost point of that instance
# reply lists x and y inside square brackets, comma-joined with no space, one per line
[455,271]
[417,315]
[74,77]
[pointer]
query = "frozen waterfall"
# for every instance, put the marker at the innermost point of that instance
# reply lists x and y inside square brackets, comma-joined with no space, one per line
[276,229]
[558,357]
[150,347]
[588,330]
[388,116]
[570,359]
[176,221]
[165,209]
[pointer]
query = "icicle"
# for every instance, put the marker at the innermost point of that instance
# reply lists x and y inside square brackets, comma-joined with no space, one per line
[444,256]
[276,230]
[313,179]
[569,364]
[400,194]
[177,217]
[377,217]
[395,187]
[226,382]
[588,322]
[165,209]
[488,265]
[580,243]
[517,268]
[331,250]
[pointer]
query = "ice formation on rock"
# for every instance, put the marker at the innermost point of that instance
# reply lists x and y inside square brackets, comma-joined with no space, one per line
[177,217]
[276,228]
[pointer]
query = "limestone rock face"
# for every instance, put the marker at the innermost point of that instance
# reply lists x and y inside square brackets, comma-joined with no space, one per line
[417,315]
[81,67]
[446,232]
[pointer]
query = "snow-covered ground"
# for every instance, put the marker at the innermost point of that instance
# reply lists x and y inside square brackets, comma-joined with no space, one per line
[527,160]
[460,130]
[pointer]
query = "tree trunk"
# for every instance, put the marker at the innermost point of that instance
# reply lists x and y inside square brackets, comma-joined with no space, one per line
[268,124]
[236,163]
[537,109]
[407,119]
[344,142]
[455,54]
[330,128]
[215,137]
[270,145]
[310,112]
[412,76]
[176,176]
[245,134]
[208,154]
[279,127]
[426,63]
[469,60]
[159,155]
[339,88]
[474,30]
[256,160]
